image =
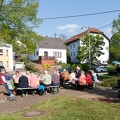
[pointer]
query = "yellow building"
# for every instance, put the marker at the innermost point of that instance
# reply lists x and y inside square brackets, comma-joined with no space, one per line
[6,56]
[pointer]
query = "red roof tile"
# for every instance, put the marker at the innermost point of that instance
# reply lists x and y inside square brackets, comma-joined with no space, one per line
[78,36]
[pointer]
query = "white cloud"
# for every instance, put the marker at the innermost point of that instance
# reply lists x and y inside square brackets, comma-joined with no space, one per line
[109,30]
[70,30]
[68,26]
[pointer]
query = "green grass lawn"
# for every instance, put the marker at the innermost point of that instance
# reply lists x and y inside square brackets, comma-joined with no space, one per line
[69,108]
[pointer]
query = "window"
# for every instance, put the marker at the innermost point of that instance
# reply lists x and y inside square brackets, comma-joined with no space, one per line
[70,46]
[71,54]
[7,52]
[1,51]
[74,53]
[37,53]
[73,45]
[7,63]
[57,54]
[1,63]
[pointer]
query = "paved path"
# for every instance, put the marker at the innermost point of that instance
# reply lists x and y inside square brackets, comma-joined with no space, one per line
[26,102]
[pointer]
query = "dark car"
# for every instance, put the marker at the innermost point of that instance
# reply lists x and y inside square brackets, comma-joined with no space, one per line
[61,70]
[1,67]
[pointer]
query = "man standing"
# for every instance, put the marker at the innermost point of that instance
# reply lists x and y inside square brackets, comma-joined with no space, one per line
[78,72]
[4,83]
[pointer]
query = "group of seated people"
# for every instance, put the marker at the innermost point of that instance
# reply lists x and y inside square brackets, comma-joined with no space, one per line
[79,78]
[34,80]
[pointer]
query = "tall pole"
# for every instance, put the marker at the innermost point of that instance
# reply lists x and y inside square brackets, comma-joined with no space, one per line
[89,47]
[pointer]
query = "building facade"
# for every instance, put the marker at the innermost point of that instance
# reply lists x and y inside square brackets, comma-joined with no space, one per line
[74,42]
[6,56]
[49,50]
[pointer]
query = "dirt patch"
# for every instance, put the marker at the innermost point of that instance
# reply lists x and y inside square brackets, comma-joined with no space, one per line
[33,114]
[107,100]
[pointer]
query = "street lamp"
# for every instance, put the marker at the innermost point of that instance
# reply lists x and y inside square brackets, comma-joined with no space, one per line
[89,46]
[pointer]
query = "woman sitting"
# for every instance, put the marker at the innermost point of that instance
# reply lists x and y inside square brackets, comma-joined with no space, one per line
[82,81]
[89,80]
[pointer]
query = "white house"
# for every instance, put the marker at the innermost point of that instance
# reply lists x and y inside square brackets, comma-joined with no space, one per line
[6,56]
[49,49]
[74,42]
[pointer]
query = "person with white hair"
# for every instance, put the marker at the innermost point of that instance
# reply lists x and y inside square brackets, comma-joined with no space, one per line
[4,83]
[33,81]
[46,79]
[23,82]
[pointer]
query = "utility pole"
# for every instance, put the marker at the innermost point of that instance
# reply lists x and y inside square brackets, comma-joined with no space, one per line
[89,47]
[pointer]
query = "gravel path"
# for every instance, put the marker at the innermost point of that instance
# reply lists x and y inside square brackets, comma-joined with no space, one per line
[25,102]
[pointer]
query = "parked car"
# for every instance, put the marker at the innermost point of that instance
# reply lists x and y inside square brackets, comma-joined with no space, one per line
[61,70]
[101,69]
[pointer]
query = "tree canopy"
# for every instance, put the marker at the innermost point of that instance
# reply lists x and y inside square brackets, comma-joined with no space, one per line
[90,45]
[115,40]
[17,20]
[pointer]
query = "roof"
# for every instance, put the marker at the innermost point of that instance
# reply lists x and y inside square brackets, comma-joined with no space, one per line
[5,45]
[78,36]
[52,43]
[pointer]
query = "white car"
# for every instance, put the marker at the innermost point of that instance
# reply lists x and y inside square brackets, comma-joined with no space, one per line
[101,69]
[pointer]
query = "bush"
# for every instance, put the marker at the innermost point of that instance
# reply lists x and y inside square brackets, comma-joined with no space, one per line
[31,67]
[110,82]
[66,65]
[85,67]
[111,69]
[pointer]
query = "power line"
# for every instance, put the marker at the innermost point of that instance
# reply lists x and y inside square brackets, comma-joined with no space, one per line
[105,26]
[80,29]
[98,13]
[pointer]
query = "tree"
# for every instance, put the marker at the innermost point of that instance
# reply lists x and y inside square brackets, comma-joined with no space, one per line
[115,40]
[17,20]
[96,47]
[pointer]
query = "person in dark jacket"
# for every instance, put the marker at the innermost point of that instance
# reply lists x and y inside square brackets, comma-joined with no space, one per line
[78,72]
[23,82]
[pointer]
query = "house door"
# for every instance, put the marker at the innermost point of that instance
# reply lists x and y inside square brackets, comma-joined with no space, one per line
[45,55]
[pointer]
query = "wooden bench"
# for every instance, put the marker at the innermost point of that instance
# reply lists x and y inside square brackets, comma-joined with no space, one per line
[52,89]
[67,84]
[23,89]
[96,85]
[48,88]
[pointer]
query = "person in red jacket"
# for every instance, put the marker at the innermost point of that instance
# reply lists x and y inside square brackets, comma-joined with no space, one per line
[4,83]
[89,80]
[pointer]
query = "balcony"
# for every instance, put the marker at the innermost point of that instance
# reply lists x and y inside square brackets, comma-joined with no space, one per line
[46,58]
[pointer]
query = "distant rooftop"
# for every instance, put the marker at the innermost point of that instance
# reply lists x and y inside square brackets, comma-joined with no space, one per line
[78,36]
[52,43]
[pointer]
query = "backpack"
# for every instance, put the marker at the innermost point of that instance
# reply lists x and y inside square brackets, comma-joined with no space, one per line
[7,77]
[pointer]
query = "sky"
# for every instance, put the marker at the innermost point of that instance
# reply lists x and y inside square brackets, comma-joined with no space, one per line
[72,25]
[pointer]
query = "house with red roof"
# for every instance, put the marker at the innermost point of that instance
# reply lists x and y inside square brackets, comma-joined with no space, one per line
[74,42]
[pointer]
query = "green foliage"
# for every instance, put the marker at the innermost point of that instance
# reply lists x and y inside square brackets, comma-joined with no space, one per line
[65,65]
[96,47]
[110,82]
[24,59]
[30,67]
[72,67]
[17,20]
[115,40]
[85,67]
[111,69]
[68,55]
